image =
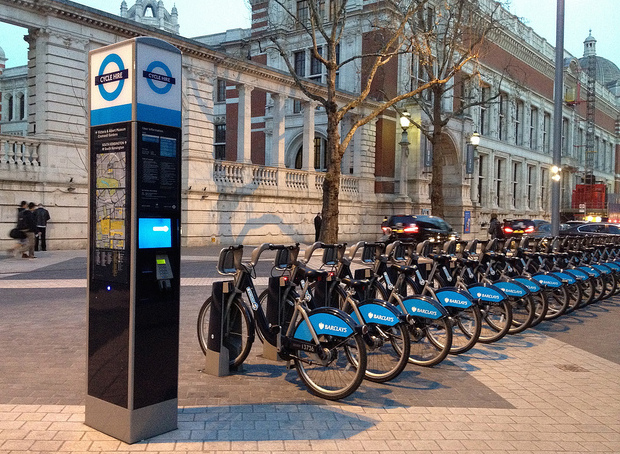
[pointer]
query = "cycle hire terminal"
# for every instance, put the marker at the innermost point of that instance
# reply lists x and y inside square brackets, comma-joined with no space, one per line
[134,238]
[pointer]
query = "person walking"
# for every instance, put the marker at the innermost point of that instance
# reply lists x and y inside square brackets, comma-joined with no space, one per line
[318,221]
[28,224]
[18,247]
[41,216]
[495,227]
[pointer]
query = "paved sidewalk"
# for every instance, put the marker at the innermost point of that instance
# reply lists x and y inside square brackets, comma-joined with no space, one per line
[546,390]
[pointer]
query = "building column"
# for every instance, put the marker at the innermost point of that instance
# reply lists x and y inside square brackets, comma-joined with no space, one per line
[308,137]
[244,124]
[277,140]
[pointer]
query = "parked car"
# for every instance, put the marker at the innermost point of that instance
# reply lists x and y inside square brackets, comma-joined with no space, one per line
[417,228]
[544,230]
[517,228]
[592,228]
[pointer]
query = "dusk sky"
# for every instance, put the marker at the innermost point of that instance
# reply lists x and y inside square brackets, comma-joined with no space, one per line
[203,17]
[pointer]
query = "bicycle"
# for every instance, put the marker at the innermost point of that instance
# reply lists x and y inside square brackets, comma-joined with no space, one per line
[388,342]
[324,344]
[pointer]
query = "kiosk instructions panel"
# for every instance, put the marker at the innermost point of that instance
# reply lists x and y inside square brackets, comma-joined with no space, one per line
[134,239]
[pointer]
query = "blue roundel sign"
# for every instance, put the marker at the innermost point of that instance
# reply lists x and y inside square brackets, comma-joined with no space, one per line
[166,78]
[117,76]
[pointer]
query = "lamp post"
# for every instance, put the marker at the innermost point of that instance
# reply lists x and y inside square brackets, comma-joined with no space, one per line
[474,141]
[405,122]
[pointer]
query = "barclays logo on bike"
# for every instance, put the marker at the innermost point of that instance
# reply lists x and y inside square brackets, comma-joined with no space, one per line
[383,318]
[455,301]
[338,329]
[419,310]
[490,296]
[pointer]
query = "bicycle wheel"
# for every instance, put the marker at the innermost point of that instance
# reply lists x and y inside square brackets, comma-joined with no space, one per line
[609,285]
[575,295]
[523,312]
[466,328]
[387,351]
[541,305]
[387,347]
[466,322]
[589,292]
[335,372]
[557,301]
[496,319]
[431,341]
[238,327]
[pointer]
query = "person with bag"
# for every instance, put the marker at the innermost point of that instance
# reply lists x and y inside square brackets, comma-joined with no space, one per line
[27,223]
[17,233]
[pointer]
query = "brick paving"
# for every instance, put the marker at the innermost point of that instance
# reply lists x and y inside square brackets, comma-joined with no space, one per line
[545,390]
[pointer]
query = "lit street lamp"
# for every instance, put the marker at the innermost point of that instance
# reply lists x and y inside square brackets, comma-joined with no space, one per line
[405,122]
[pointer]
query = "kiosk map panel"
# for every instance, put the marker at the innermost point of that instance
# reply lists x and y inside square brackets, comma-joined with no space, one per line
[112,146]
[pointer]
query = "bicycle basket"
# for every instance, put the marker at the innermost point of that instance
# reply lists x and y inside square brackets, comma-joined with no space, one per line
[332,253]
[369,253]
[400,252]
[286,257]
[230,260]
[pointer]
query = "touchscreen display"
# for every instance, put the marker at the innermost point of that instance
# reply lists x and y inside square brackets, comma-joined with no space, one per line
[154,233]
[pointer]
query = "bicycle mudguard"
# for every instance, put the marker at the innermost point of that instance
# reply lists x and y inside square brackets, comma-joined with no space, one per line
[577,274]
[488,293]
[531,284]
[591,272]
[512,288]
[604,269]
[377,311]
[326,320]
[547,280]
[453,297]
[613,265]
[566,278]
[424,307]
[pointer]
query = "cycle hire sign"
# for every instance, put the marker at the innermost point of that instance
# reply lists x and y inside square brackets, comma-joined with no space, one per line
[111,84]
[158,82]
[136,80]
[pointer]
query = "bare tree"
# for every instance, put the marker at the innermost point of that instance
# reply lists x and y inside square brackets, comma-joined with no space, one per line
[395,25]
[448,35]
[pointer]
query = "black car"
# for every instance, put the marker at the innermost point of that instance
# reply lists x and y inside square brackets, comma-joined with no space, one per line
[516,228]
[592,228]
[417,228]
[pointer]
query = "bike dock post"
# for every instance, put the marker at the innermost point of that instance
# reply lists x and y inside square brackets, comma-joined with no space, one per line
[217,355]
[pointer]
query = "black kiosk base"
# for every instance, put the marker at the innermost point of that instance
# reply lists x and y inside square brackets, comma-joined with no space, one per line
[131,426]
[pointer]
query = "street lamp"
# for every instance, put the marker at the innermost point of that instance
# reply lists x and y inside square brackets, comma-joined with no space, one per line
[405,122]
[474,141]
[555,173]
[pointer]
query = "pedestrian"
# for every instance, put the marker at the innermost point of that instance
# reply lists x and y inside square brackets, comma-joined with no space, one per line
[28,224]
[20,242]
[318,221]
[495,228]
[41,216]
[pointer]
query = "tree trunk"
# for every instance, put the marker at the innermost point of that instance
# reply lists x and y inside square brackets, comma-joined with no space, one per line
[331,185]
[437,199]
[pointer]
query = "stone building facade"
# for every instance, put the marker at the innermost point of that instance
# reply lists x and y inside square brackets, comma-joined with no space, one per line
[253,145]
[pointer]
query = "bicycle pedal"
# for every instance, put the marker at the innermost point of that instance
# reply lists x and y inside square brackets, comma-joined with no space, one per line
[289,365]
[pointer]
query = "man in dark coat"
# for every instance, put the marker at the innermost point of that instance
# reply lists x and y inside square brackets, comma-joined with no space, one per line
[41,216]
[317,226]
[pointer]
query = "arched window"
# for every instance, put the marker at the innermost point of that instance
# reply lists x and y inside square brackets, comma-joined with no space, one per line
[320,158]
[10,109]
[21,106]
[149,11]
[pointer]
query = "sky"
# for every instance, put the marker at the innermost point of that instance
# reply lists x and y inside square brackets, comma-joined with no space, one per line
[203,17]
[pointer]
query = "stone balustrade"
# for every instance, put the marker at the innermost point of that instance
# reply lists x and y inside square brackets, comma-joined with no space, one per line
[236,175]
[18,151]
